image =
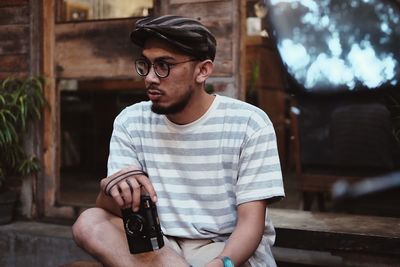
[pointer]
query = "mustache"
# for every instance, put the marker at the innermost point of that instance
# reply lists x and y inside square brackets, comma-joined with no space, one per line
[154,89]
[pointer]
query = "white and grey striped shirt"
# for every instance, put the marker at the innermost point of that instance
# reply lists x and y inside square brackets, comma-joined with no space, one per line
[201,171]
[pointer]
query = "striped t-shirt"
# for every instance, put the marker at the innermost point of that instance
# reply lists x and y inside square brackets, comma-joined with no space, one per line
[201,171]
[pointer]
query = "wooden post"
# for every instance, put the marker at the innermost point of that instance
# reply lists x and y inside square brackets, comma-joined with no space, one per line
[242,49]
[48,183]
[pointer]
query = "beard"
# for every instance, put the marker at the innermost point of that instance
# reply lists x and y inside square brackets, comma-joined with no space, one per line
[175,107]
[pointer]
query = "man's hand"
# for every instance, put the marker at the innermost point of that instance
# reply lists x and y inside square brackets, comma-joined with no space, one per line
[126,186]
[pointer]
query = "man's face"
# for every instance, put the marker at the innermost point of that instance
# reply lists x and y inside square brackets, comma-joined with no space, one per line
[169,95]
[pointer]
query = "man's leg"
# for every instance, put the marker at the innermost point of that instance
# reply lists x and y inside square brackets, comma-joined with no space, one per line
[102,235]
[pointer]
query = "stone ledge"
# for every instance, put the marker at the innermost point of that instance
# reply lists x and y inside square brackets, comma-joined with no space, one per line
[25,244]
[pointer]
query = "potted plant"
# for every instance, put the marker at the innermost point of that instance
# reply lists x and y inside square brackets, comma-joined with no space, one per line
[21,103]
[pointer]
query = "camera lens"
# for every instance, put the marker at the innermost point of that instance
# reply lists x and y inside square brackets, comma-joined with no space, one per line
[134,225]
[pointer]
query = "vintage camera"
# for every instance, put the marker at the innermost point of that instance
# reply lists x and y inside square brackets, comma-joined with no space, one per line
[142,228]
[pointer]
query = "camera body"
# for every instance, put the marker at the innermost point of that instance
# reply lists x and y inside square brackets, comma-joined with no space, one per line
[142,228]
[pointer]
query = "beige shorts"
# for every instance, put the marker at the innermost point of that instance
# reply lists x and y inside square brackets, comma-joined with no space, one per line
[197,252]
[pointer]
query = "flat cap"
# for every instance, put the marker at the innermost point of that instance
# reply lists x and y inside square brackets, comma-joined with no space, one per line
[186,34]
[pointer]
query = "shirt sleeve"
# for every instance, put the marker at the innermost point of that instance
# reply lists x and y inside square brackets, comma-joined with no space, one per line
[260,175]
[122,148]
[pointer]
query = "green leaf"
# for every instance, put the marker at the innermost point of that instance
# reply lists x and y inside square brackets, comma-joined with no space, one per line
[21,104]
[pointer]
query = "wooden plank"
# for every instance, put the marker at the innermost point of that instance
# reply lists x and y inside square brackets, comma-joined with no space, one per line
[191,1]
[205,11]
[14,39]
[336,232]
[35,42]
[224,44]
[7,3]
[111,85]
[222,68]
[338,223]
[274,103]
[99,49]
[221,86]
[259,40]
[302,258]
[242,49]
[237,25]
[217,16]
[14,63]
[268,62]
[21,74]
[14,15]
[48,183]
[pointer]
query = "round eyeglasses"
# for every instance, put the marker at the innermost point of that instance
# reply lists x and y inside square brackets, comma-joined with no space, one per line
[161,68]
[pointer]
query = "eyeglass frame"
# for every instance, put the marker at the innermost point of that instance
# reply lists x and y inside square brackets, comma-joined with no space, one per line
[150,65]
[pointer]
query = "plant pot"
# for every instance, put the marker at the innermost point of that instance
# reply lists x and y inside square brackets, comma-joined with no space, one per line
[7,203]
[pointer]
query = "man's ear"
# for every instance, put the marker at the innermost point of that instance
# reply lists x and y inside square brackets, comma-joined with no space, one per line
[205,69]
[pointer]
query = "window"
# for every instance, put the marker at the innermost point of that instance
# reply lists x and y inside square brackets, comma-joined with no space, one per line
[81,10]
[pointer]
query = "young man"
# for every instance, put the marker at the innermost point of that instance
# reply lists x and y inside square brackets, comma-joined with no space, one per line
[212,161]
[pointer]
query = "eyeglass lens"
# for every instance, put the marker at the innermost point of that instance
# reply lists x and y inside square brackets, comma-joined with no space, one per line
[143,67]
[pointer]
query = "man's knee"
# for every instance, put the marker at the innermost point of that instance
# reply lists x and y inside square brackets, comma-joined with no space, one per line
[84,229]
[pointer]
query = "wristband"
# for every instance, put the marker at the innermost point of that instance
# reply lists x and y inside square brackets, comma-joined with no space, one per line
[226,261]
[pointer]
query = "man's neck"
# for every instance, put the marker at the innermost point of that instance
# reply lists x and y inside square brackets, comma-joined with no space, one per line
[194,110]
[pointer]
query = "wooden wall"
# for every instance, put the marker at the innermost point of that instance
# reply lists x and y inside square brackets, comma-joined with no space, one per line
[19,58]
[14,38]
[32,43]
[95,50]
[102,49]
[217,16]
[222,17]
[269,87]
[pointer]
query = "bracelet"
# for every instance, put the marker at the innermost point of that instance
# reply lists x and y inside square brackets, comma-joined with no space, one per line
[226,261]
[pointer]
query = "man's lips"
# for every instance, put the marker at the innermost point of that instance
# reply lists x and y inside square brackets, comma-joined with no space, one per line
[154,94]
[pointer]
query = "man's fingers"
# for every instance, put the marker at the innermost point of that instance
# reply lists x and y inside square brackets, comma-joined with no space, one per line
[125,192]
[130,185]
[145,182]
[136,194]
[115,194]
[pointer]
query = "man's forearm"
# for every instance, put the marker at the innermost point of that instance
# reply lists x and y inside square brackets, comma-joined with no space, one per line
[248,232]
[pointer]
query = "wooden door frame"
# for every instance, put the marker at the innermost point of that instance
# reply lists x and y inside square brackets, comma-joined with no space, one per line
[43,18]
[242,49]
[49,178]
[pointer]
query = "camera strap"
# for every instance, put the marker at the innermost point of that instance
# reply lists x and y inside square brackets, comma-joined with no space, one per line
[119,176]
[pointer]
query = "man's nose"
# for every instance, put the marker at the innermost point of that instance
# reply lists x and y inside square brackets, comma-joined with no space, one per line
[152,77]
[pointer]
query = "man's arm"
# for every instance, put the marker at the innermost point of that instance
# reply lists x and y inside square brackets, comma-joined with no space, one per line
[247,234]
[123,190]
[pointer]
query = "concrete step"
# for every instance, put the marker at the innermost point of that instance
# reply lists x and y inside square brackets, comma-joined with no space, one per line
[83,264]
[33,244]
